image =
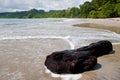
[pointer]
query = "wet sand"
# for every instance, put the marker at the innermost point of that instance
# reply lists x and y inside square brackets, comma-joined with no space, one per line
[109,65]
[24,59]
[107,24]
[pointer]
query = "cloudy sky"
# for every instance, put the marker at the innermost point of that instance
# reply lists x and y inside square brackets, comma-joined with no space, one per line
[21,5]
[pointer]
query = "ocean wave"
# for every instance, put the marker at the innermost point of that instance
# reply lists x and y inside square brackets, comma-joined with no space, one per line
[66,38]
[31,37]
[72,40]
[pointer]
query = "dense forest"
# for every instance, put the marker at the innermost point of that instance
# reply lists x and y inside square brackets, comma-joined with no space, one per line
[93,9]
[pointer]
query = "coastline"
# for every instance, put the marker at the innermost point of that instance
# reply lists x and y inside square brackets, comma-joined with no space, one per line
[109,67]
[112,24]
[110,64]
[22,58]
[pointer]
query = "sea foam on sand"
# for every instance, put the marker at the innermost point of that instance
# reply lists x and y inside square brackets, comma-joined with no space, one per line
[64,76]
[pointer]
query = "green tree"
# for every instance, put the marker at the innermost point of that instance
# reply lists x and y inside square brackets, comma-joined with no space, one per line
[117,9]
[74,12]
[85,9]
[108,9]
[118,1]
[93,9]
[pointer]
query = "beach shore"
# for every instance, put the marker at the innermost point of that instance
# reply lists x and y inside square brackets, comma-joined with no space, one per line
[108,68]
[109,65]
[23,59]
[112,24]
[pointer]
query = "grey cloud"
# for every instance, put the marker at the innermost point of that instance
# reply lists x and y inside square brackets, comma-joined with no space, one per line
[13,5]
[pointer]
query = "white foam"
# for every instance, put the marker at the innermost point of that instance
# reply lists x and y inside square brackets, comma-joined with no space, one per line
[72,46]
[115,43]
[118,35]
[64,76]
[69,20]
[30,37]
[66,38]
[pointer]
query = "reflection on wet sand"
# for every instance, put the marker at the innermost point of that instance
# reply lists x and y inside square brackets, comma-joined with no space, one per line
[24,60]
[110,67]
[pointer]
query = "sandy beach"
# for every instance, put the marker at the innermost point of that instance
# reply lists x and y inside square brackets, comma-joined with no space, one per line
[109,65]
[23,59]
[112,24]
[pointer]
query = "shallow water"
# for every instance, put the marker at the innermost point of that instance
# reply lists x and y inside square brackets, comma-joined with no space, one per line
[39,28]
[25,43]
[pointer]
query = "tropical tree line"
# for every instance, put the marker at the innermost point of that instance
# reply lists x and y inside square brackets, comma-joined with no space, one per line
[93,9]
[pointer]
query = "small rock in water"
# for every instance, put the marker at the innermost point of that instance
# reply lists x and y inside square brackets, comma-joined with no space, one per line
[77,60]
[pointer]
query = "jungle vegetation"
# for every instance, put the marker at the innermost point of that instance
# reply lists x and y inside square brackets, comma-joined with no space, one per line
[93,9]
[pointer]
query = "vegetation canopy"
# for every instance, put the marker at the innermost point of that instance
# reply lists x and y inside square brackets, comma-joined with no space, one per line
[93,9]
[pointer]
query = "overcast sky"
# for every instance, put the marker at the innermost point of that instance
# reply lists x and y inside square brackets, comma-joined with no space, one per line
[21,5]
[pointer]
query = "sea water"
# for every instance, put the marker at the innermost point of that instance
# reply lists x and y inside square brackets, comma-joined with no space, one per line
[25,29]
[53,28]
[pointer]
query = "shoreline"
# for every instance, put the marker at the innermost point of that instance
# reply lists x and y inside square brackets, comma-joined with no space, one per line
[112,24]
[23,58]
[109,67]
[110,64]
